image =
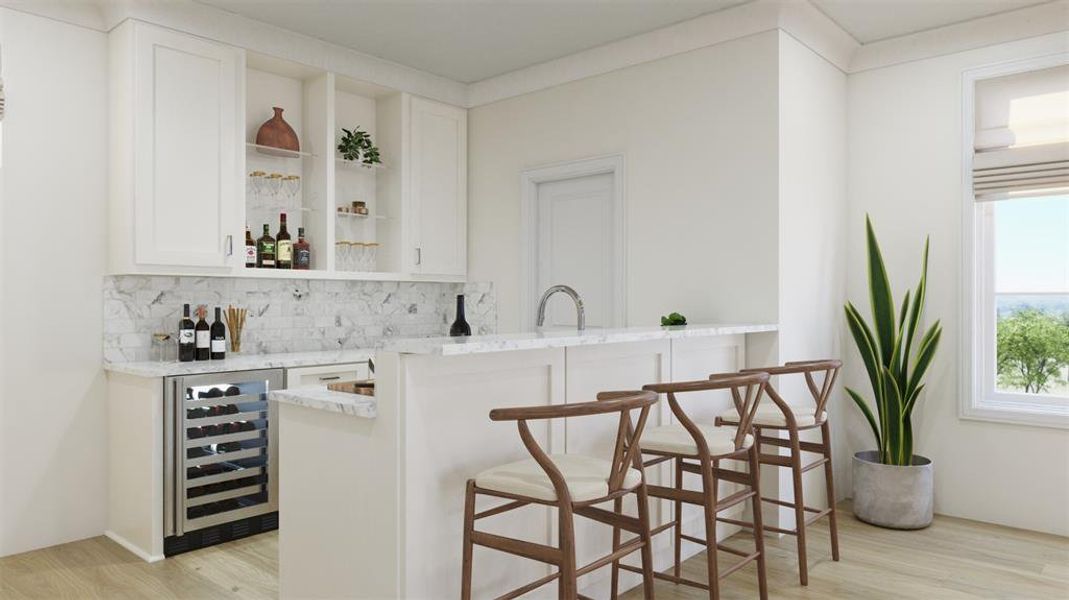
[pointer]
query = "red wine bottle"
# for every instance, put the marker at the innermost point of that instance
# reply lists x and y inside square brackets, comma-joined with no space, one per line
[218,333]
[460,325]
[186,343]
[203,336]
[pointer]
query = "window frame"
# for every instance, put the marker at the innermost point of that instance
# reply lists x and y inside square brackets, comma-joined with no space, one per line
[980,399]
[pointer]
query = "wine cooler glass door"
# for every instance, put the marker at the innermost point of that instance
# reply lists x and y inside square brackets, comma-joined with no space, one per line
[221,449]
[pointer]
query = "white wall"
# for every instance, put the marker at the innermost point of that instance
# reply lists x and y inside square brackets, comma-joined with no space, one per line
[812,234]
[53,432]
[698,132]
[905,144]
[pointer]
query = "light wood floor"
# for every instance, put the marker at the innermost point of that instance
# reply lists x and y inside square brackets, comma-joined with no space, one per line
[953,559]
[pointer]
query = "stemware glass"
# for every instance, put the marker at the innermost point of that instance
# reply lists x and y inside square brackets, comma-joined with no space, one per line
[342,250]
[370,252]
[273,184]
[291,185]
[256,183]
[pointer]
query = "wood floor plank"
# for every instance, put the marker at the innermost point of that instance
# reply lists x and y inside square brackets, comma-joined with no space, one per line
[954,559]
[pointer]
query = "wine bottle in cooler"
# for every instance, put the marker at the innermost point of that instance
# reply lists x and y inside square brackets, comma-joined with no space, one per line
[203,336]
[218,333]
[187,346]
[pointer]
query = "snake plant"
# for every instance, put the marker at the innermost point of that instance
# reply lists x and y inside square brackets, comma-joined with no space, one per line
[895,365]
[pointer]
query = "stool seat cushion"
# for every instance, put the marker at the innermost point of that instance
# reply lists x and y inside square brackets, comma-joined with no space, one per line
[675,439]
[771,415]
[587,478]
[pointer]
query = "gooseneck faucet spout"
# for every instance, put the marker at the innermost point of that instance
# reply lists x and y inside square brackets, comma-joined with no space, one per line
[579,310]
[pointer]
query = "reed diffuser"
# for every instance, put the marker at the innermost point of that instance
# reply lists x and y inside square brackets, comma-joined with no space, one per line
[235,322]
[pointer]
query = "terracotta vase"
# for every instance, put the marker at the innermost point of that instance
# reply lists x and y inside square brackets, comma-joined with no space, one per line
[277,133]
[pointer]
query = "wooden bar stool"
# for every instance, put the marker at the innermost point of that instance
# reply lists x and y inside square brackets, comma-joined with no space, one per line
[699,448]
[573,484]
[782,416]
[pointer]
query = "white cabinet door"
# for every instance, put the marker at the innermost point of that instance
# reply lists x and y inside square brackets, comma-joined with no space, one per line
[186,149]
[439,188]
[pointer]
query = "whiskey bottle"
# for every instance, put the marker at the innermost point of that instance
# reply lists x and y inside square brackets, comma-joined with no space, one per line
[302,252]
[250,250]
[284,245]
[265,249]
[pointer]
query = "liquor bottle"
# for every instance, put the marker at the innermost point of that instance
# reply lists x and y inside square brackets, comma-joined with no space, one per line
[204,336]
[265,249]
[250,250]
[284,245]
[302,252]
[460,326]
[218,332]
[187,347]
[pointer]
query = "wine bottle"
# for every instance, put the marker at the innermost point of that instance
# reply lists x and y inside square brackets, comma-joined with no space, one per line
[204,336]
[265,249]
[250,250]
[218,332]
[302,252]
[284,245]
[186,344]
[460,326]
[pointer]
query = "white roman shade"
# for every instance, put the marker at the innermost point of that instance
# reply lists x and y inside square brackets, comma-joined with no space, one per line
[1021,144]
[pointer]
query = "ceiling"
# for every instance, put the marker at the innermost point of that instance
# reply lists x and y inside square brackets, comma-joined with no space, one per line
[471,40]
[874,20]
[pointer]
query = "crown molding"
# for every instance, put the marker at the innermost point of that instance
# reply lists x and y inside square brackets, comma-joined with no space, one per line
[801,19]
[1025,23]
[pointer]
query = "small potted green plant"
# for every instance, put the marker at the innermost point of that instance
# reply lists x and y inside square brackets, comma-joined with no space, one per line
[893,486]
[673,319]
[356,145]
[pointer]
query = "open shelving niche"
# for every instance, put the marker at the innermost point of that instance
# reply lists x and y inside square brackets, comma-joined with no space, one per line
[318,104]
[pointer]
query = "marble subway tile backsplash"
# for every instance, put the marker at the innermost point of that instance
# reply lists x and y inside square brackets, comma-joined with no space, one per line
[289,315]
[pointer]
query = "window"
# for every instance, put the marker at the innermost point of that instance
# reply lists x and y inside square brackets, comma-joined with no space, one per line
[1017,268]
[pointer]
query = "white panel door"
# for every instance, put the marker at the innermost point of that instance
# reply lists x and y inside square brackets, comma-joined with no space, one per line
[439,187]
[186,141]
[576,247]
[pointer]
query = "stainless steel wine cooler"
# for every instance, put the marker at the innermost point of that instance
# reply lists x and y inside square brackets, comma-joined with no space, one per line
[220,458]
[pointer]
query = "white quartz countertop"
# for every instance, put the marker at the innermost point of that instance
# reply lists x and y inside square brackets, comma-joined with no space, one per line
[239,362]
[319,397]
[452,346]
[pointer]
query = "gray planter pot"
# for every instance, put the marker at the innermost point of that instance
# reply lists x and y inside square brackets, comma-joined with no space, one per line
[899,497]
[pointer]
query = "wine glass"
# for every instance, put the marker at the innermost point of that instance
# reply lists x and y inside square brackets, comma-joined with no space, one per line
[273,184]
[256,183]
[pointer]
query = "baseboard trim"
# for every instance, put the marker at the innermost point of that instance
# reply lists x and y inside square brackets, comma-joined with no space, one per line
[133,548]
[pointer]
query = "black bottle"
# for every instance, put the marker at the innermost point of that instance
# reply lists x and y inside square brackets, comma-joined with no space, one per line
[204,337]
[218,331]
[460,326]
[187,346]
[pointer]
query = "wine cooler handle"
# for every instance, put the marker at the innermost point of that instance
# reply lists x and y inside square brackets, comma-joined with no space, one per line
[229,245]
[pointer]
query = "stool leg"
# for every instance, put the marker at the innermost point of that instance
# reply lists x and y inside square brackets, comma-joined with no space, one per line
[469,526]
[617,507]
[568,588]
[710,485]
[825,431]
[758,526]
[647,546]
[677,566]
[799,505]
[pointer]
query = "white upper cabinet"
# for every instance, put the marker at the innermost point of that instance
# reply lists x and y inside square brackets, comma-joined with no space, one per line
[438,179]
[176,102]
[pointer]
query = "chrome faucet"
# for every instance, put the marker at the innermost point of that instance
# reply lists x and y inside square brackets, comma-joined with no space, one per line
[580,312]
